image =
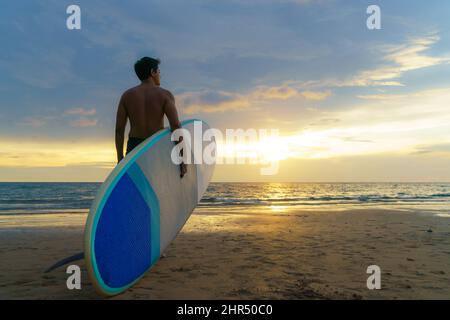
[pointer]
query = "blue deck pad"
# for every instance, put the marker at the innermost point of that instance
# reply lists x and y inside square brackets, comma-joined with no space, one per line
[123,236]
[148,194]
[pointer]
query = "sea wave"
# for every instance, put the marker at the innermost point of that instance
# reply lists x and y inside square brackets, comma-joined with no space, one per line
[25,198]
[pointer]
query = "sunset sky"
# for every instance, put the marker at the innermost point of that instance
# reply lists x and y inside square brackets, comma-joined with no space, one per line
[350,104]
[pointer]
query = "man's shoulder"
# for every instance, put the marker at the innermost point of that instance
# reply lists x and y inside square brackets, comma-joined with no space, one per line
[167,93]
[134,91]
[129,92]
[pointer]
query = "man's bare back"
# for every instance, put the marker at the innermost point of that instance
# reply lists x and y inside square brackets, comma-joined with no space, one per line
[145,106]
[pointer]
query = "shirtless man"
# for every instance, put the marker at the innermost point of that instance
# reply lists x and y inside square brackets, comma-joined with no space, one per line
[145,106]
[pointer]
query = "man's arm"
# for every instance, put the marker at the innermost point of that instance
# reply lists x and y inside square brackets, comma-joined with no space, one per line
[121,122]
[170,110]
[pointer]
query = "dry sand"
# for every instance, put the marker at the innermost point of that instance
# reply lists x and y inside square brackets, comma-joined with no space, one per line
[261,254]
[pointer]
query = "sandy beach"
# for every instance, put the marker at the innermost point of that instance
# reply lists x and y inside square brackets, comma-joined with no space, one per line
[262,254]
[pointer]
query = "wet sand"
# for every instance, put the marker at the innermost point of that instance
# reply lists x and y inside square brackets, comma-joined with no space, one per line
[249,254]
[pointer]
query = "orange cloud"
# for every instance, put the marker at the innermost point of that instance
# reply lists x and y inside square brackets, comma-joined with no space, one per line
[81,112]
[212,102]
[84,122]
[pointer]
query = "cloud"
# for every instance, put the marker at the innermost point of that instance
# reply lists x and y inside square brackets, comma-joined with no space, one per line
[81,112]
[395,126]
[94,164]
[432,148]
[396,60]
[355,139]
[212,102]
[325,122]
[50,153]
[315,95]
[209,101]
[274,93]
[84,122]
[401,59]
[382,96]
[425,94]
[285,92]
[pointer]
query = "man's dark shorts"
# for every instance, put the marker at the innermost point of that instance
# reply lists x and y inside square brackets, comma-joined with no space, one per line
[133,143]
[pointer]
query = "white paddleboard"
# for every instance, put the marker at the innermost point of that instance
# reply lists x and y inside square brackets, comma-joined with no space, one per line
[139,210]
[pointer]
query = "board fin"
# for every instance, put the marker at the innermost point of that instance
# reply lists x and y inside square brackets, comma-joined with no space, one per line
[65,261]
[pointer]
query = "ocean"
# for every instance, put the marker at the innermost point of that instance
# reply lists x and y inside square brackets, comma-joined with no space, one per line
[57,198]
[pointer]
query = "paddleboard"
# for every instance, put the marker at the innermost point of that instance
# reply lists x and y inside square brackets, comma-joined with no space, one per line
[140,209]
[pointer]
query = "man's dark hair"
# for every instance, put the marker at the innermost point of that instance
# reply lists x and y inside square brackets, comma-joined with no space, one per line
[144,67]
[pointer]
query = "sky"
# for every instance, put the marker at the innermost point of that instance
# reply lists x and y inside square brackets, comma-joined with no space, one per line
[350,104]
